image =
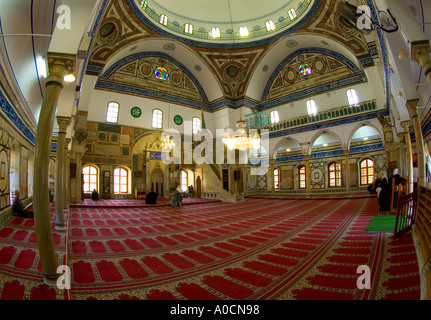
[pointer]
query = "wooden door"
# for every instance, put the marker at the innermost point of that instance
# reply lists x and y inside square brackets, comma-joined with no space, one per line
[198,187]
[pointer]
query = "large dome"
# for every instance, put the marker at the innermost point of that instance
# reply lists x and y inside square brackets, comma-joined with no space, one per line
[225,21]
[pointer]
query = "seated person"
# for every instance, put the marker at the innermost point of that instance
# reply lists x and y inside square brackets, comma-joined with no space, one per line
[18,208]
[191,191]
[94,195]
[151,197]
[177,197]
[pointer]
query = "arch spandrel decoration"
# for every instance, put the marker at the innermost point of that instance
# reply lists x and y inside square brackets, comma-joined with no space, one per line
[326,67]
[139,72]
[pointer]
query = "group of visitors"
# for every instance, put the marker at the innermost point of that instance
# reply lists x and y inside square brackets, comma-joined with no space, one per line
[382,185]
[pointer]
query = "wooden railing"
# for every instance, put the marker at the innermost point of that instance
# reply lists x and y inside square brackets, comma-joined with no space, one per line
[422,229]
[406,214]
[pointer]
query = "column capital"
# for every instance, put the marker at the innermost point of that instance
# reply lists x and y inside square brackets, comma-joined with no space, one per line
[63,123]
[419,47]
[60,65]
[421,54]
[66,143]
[412,104]
[406,126]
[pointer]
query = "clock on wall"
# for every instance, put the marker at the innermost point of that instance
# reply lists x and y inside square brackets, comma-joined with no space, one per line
[136,112]
[178,119]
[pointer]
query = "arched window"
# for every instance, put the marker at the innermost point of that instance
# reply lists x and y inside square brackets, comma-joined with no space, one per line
[163,19]
[112,112]
[302,177]
[91,178]
[311,107]
[352,97]
[274,116]
[157,119]
[334,175]
[121,180]
[184,180]
[188,28]
[276,179]
[270,25]
[366,172]
[196,124]
[292,13]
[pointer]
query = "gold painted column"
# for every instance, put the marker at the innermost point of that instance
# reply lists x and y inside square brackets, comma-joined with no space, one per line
[409,158]
[347,171]
[412,106]
[60,175]
[59,66]
[66,181]
[421,54]
[307,174]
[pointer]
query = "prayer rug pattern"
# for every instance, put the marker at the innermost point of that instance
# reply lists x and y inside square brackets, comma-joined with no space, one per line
[257,249]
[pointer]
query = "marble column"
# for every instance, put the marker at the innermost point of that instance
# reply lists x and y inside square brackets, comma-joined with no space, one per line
[59,66]
[307,174]
[409,158]
[412,106]
[60,174]
[347,171]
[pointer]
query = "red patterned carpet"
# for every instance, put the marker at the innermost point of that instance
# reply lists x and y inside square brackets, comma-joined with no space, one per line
[257,249]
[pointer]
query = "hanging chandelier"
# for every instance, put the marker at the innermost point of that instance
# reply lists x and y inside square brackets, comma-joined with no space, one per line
[168,143]
[241,140]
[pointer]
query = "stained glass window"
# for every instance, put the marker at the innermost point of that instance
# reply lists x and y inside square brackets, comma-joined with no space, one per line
[161,73]
[305,70]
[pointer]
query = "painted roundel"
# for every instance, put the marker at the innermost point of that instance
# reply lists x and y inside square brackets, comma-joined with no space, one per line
[176,77]
[107,29]
[290,75]
[146,69]
[161,73]
[305,70]
[319,65]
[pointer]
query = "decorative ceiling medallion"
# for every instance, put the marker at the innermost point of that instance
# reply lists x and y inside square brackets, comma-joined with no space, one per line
[291,43]
[161,73]
[169,46]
